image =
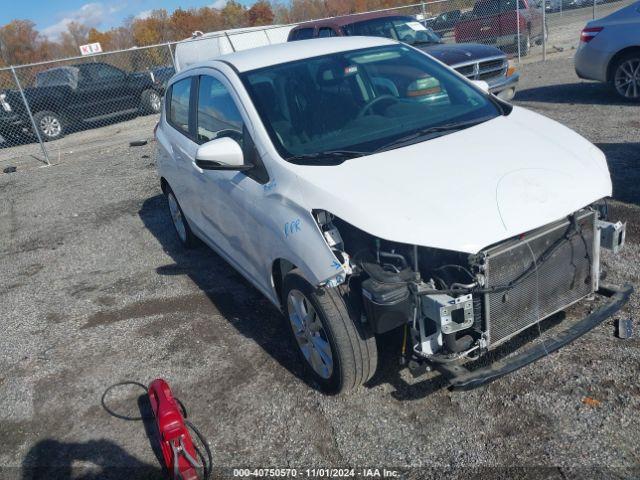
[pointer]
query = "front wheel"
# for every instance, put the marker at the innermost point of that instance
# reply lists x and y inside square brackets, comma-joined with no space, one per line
[626,77]
[150,102]
[338,351]
[50,125]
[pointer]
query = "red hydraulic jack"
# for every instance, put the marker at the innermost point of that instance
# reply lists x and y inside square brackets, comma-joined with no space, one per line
[178,449]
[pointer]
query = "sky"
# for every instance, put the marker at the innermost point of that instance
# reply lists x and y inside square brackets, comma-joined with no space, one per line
[51,17]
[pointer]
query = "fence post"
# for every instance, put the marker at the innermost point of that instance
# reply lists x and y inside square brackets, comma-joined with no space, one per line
[173,61]
[33,122]
[593,14]
[545,33]
[424,11]
[518,39]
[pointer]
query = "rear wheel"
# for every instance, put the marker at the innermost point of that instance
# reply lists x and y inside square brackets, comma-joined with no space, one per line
[185,235]
[50,125]
[150,102]
[626,76]
[338,351]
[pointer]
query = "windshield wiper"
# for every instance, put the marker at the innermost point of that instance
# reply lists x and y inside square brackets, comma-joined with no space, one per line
[329,157]
[431,132]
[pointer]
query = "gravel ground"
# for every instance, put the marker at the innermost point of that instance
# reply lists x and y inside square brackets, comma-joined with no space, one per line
[95,290]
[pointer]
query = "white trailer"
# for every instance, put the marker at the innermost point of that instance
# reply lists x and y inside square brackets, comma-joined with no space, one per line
[208,46]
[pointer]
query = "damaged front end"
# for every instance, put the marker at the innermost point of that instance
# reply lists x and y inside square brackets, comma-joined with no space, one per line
[457,306]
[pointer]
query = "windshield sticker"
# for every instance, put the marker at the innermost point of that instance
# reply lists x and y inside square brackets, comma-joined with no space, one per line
[417,26]
[350,70]
[292,227]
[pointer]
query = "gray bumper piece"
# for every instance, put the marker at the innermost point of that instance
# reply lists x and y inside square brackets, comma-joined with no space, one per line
[462,379]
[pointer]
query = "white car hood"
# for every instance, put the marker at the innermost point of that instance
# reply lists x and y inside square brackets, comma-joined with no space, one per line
[466,190]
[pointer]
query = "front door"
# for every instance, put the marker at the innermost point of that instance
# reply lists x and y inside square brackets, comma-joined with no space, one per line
[227,199]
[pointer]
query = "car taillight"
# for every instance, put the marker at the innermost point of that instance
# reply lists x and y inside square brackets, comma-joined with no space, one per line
[589,33]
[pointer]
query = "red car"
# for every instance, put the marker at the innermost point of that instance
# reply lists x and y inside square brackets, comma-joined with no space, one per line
[495,22]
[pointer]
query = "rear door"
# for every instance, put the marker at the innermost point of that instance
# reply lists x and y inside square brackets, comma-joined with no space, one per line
[181,144]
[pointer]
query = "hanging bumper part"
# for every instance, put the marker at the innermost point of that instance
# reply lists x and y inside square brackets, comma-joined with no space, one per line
[460,378]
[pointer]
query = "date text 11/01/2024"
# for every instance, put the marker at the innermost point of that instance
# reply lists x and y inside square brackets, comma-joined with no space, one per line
[316,472]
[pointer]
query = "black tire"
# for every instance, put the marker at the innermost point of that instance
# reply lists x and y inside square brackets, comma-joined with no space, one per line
[186,236]
[50,125]
[150,102]
[616,71]
[353,346]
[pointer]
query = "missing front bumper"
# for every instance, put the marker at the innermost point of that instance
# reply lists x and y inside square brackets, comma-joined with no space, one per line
[462,379]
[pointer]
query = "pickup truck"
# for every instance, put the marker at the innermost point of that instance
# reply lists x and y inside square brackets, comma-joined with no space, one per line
[474,61]
[70,96]
[496,23]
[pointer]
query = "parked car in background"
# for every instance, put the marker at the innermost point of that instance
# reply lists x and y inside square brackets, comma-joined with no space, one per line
[65,97]
[443,23]
[499,23]
[357,211]
[561,5]
[609,51]
[474,61]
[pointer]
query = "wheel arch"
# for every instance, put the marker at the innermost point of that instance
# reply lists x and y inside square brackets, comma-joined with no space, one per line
[279,269]
[617,56]
[164,185]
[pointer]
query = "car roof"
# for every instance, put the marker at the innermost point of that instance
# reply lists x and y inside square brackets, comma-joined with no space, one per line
[348,19]
[260,57]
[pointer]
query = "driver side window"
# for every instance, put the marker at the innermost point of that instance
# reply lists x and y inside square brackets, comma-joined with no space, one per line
[218,115]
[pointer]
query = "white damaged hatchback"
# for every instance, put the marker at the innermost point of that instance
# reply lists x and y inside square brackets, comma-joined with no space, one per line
[364,187]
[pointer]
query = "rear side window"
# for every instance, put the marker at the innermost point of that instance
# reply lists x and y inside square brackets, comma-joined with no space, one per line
[178,108]
[326,32]
[302,34]
[218,115]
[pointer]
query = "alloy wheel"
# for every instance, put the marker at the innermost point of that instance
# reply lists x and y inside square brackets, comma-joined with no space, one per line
[177,218]
[50,126]
[156,102]
[627,78]
[310,334]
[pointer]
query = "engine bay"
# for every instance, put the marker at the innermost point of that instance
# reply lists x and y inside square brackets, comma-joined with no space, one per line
[456,305]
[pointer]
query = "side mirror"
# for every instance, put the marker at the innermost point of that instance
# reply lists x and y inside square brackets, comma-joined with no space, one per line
[221,154]
[482,85]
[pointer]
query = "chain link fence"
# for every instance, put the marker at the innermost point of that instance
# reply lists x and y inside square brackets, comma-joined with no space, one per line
[56,107]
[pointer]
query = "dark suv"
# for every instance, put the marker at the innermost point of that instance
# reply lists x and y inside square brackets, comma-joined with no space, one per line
[64,97]
[474,61]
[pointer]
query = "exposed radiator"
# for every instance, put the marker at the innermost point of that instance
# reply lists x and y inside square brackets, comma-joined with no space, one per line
[563,279]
